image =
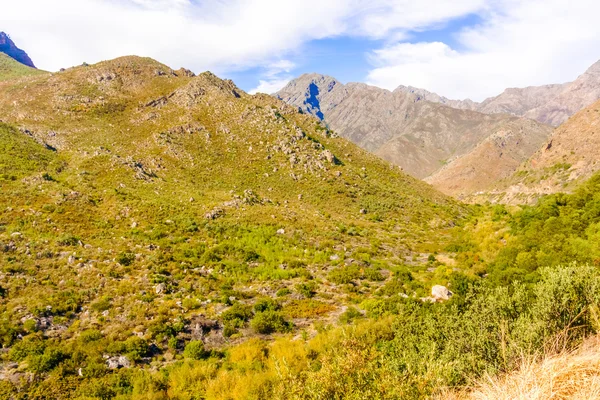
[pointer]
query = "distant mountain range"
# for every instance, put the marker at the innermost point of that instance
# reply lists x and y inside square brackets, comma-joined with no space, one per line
[549,104]
[419,135]
[8,47]
[568,158]
[460,146]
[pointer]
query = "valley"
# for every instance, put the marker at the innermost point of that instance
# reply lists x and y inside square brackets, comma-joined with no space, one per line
[166,235]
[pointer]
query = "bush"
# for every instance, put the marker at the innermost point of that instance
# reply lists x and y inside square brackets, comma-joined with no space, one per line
[270,321]
[344,275]
[45,362]
[136,348]
[102,304]
[68,240]
[350,315]
[126,258]
[237,313]
[266,304]
[195,350]
[308,290]
[28,346]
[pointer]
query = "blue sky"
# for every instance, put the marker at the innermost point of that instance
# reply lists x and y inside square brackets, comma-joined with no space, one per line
[459,49]
[347,57]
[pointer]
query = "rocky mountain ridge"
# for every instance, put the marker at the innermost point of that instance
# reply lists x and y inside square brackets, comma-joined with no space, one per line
[550,104]
[403,126]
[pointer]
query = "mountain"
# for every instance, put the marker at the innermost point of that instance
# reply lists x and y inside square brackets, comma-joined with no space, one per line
[144,209]
[573,97]
[8,47]
[401,126]
[493,159]
[550,104]
[568,158]
[11,68]
[518,101]
[422,94]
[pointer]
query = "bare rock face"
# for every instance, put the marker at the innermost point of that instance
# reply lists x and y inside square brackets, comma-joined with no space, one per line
[8,47]
[493,159]
[574,96]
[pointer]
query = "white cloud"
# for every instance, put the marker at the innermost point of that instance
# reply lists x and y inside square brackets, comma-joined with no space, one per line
[219,35]
[270,86]
[275,76]
[519,43]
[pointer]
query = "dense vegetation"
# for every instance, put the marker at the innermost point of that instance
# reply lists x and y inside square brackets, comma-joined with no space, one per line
[164,236]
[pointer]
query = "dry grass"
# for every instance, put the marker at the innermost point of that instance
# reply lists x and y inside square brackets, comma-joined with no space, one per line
[567,375]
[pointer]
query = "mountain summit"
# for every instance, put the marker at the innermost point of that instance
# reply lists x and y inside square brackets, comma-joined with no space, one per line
[8,47]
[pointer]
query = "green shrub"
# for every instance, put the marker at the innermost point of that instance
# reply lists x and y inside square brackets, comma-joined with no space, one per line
[136,348]
[350,315]
[266,304]
[270,321]
[195,350]
[102,304]
[308,290]
[344,275]
[39,363]
[283,292]
[68,240]
[125,258]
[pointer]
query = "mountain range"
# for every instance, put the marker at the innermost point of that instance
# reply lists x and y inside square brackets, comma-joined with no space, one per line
[460,146]
[550,104]
[419,135]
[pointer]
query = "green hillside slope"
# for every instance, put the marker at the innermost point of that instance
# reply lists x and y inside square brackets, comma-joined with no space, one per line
[10,68]
[143,209]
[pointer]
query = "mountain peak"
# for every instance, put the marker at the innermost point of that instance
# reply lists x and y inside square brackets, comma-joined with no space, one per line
[594,69]
[9,47]
[306,92]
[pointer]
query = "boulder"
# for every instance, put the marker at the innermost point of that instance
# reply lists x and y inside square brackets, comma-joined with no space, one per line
[440,293]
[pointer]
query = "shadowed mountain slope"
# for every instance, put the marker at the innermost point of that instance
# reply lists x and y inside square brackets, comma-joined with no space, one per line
[8,47]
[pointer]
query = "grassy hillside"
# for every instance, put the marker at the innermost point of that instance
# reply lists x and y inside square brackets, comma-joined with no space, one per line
[164,236]
[10,68]
[147,212]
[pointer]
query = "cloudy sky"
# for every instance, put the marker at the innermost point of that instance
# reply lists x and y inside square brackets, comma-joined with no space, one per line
[460,48]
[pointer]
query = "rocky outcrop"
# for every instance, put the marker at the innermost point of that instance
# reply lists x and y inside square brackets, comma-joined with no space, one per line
[440,293]
[8,47]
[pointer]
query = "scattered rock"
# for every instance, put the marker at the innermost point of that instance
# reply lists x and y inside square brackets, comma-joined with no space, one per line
[330,157]
[215,213]
[281,231]
[160,288]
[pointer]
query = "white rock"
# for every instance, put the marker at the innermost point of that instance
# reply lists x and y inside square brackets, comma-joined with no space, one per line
[281,231]
[439,292]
